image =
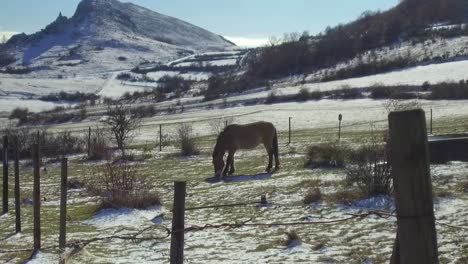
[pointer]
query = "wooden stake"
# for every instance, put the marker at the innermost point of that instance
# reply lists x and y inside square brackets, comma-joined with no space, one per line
[37,198]
[178,225]
[416,234]
[17,187]
[5,175]
[63,204]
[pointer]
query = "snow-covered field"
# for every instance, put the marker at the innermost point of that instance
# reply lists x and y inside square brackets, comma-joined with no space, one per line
[107,86]
[368,240]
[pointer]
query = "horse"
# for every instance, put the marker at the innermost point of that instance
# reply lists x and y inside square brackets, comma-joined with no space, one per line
[248,136]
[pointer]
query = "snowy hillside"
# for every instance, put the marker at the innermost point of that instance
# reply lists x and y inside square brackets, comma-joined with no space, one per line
[107,35]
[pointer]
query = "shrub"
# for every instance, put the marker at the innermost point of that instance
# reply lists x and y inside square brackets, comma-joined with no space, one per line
[303,94]
[120,186]
[312,196]
[144,111]
[316,95]
[21,114]
[326,155]
[370,170]
[6,58]
[99,145]
[271,98]
[124,76]
[451,91]
[292,239]
[186,141]
[218,125]
[346,92]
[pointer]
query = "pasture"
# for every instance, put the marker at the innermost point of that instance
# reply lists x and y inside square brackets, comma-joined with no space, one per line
[366,240]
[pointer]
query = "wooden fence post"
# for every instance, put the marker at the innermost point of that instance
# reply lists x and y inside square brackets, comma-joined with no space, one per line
[160,137]
[89,142]
[178,215]
[63,204]
[17,186]
[5,175]
[37,198]
[431,121]
[340,117]
[416,240]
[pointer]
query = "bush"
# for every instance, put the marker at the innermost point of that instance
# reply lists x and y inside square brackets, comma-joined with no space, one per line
[144,111]
[271,98]
[186,141]
[120,186]
[6,58]
[316,95]
[370,170]
[99,145]
[124,76]
[450,91]
[312,196]
[326,155]
[346,92]
[218,125]
[303,94]
[292,239]
[21,114]
[51,145]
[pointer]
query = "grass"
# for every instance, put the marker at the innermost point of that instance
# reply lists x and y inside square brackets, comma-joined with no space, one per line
[285,187]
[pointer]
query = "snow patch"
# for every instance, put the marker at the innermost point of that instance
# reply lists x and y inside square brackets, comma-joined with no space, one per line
[124,217]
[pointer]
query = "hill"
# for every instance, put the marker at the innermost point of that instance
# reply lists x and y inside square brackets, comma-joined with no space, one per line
[107,35]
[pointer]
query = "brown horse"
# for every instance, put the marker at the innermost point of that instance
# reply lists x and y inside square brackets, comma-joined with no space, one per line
[247,136]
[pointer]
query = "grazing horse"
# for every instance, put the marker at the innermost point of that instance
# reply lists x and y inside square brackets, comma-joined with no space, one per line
[247,136]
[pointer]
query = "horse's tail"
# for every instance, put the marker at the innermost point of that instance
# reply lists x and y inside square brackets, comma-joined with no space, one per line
[275,144]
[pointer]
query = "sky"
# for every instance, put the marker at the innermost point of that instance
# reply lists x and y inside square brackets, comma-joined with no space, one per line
[251,22]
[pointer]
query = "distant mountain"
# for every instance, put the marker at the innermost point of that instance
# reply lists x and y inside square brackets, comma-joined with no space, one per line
[105,35]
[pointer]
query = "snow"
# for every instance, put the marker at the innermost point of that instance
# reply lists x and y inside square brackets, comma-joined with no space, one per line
[7,104]
[44,258]
[124,217]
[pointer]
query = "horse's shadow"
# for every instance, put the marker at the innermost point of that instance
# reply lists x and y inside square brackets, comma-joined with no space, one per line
[240,178]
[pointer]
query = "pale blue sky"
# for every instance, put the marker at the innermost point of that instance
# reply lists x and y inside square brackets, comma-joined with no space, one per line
[234,18]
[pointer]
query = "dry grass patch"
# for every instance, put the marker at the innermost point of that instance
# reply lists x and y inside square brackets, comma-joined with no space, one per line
[120,186]
[345,196]
[328,155]
[312,196]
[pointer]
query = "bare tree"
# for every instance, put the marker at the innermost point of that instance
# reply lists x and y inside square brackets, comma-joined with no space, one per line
[218,125]
[122,124]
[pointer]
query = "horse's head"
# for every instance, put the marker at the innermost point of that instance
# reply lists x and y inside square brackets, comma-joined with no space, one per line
[218,156]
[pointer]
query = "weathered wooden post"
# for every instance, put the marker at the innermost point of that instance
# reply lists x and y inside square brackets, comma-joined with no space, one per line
[340,117]
[17,187]
[289,140]
[63,204]
[160,137]
[36,198]
[5,175]
[178,225]
[416,240]
[431,121]
[89,142]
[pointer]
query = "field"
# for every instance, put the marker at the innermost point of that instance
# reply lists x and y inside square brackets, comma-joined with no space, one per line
[367,240]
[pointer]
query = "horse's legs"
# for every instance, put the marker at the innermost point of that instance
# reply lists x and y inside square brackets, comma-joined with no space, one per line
[232,169]
[270,159]
[229,164]
[277,163]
